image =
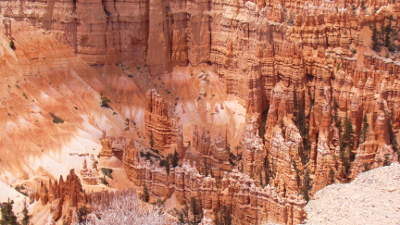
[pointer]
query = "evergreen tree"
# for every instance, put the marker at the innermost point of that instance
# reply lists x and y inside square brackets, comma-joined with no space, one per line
[264,117]
[195,207]
[301,123]
[331,177]
[347,145]
[167,166]
[392,138]
[335,114]
[82,214]
[375,40]
[12,45]
[145,195]
[175,159]
[267,170]
[151,140]
[362,4]
[388,35]
[386,161]
[197,211]
[365,167]
[364,129]
[224,216]
[307,185]
[25,214]
[7,215]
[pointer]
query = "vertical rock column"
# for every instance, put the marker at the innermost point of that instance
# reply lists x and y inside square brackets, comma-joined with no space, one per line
[158,47]
[199,33]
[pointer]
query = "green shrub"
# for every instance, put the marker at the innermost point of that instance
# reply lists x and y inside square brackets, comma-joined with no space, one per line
[264,117]
[82,214]
[25,216]
[376,45]
[174,159]
[307,185]
[346,142]
[301,122]
[7,215]
[145,195]
[104,181]
[107,172]
[56,119]
[21,189]
[224,216]
[12,45]
[392,138]
[105,102]
[197,210]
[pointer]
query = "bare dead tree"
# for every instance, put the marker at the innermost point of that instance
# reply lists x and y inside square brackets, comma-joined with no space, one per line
[123,208]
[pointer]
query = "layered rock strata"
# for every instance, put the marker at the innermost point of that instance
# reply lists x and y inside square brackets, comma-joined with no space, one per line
[318,79]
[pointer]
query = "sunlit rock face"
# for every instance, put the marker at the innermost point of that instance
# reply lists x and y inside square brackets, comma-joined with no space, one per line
[369,192]
[246,108]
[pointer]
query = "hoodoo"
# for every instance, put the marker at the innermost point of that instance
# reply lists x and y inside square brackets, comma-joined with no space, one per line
[208,112]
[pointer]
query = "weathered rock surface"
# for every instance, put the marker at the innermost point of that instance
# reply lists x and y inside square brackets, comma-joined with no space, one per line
[318,81]
[160,123]
[64,197]
[372,198]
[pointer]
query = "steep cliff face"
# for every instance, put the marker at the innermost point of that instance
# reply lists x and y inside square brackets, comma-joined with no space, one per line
[318,88]
[250,106]
[47,106]
[157,33]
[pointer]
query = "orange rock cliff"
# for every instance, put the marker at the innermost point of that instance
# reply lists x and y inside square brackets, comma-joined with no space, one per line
[245,108]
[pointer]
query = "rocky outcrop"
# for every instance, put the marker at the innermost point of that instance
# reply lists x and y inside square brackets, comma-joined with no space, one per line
[250,204]
[90,175]
[106,149]
[314,85]
[160,125]
[318,79]
[366,199]
[109,33]
[64,197]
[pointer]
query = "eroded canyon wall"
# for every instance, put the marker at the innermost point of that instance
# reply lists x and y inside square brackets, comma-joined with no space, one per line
[157,33]
[319,81]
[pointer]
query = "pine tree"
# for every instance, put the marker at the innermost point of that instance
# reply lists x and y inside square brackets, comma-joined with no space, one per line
[196,210]
[167,166]
[12,45]
[392,138]
[362,4]
[364,130]
[347,145]
[224,216]
[195,206]
[267,170]
[264,117]
[307,185]
[301,123]
[375,41]
[25,214]
[7,215]
[331,177]
[82,214]
[386,161]
[151,140]
[145,195]
[388,34]
[175,159]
